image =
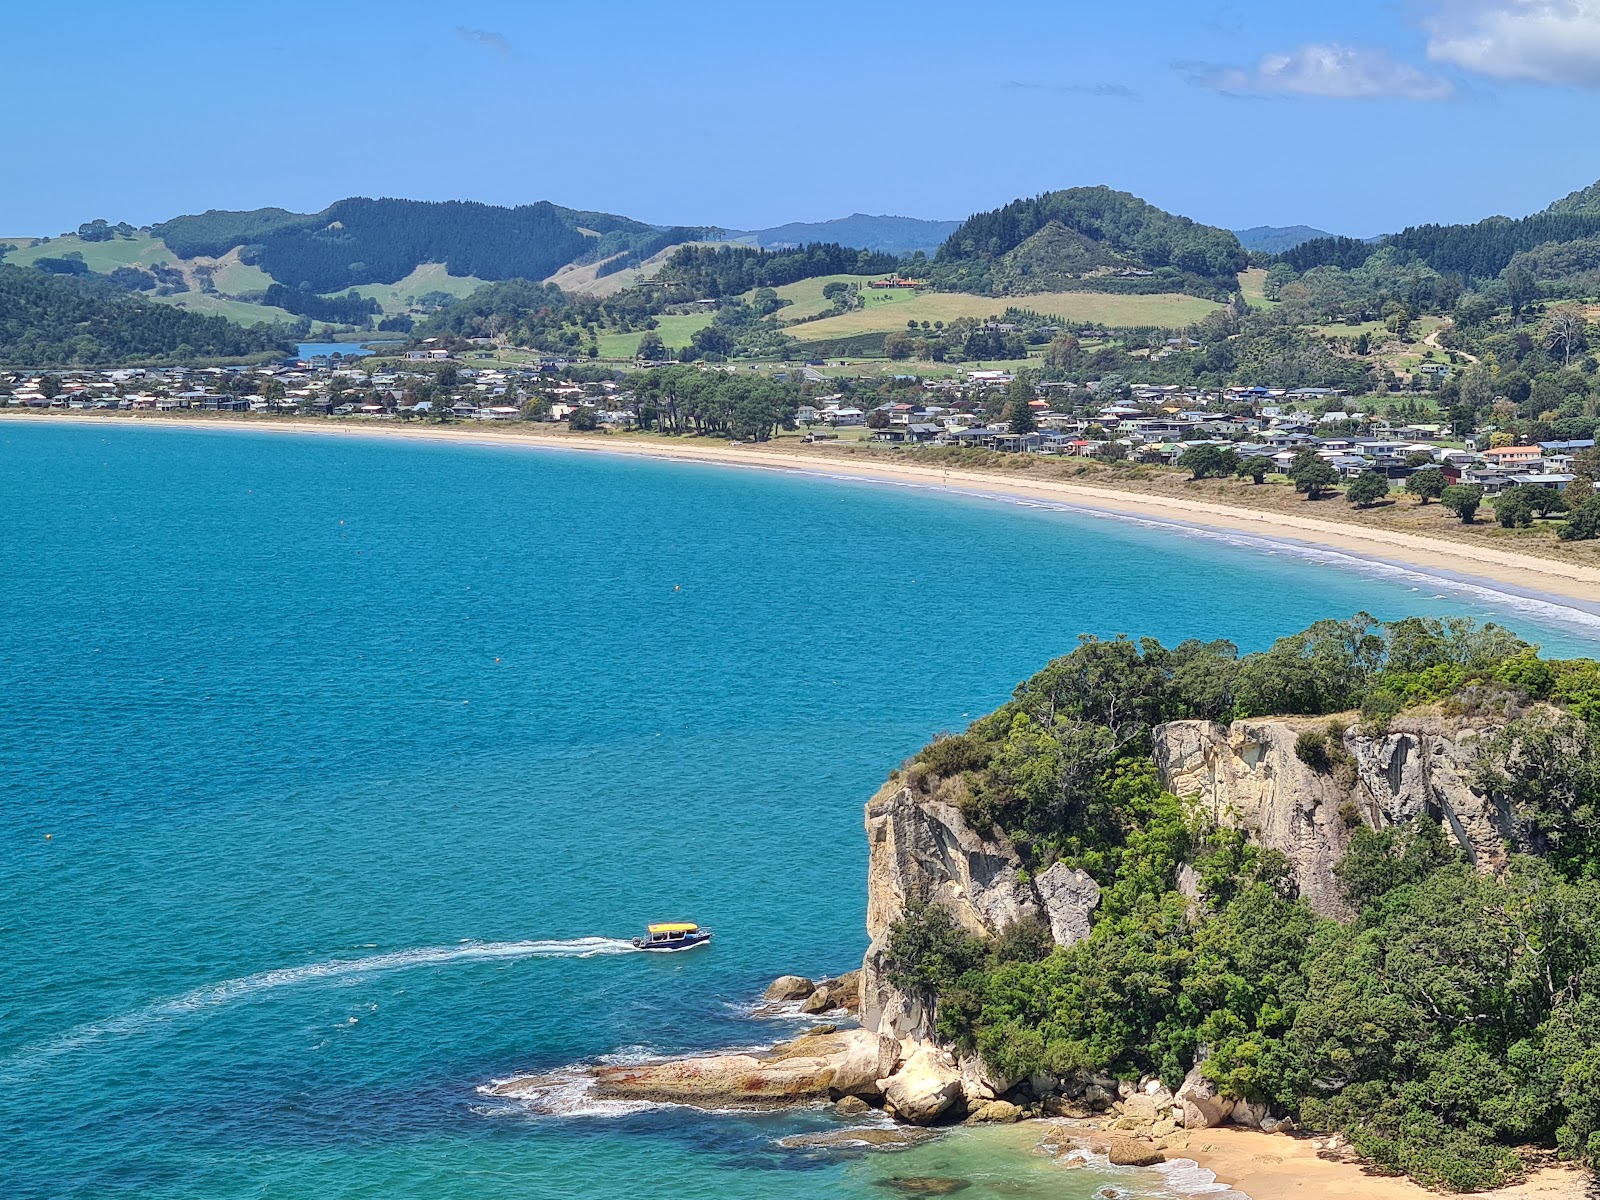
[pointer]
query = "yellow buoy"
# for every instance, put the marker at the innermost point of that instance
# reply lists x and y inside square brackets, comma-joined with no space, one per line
[48,836]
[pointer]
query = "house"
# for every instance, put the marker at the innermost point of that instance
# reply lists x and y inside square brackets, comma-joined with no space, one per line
[1434,370]
[499,412]
[1515,457]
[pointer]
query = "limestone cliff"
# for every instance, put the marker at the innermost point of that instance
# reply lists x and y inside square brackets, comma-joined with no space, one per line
[1247,774]
[922,850]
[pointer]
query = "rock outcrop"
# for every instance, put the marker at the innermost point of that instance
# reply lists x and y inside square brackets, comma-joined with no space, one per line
[926,1084]
[921,849]
[1247,774]
[819,1066]
[1196,1104]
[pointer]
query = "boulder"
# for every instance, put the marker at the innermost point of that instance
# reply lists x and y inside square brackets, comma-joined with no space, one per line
[1141,1109]
[1249,1114]
[1097,1097]
[852,1106]
[995,1112]
[1129,1152]
[809,1068]
[980,1081]
[926,1084]
[1068,897]
[819,1001]
[846,990]
[789,987]
[1198,1104]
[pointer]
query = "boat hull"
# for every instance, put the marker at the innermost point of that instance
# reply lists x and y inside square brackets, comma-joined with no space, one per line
[674,946]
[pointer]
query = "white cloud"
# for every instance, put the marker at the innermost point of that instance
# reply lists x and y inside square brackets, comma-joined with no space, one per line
[1543,41]
[1327,69]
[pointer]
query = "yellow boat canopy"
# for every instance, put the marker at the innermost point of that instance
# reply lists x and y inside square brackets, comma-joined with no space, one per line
[675,927]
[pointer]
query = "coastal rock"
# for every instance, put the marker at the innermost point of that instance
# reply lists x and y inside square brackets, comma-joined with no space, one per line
[820,1000]
[1069,897]
[1197,1103]
[920,848]
[995,1112]
[879,1137]
[852,1106]
[979,1081]
[788,987]
[846,990]
[808,1068]
[1248,1114]
[1128,1152]
[926,1084]
[1247,774]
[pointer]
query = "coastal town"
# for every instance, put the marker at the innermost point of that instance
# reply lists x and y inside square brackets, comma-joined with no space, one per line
[1155,425]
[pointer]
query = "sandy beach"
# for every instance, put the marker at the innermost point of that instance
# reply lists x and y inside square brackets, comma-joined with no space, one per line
[1527,575]
[1277,1167]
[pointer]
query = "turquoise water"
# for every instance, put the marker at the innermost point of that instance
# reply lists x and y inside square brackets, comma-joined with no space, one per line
[354,755]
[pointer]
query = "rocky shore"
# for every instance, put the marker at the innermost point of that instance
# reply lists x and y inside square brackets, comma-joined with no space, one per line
[878,1051]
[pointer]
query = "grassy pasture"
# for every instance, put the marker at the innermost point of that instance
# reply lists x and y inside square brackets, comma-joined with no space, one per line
[890,310]
[219,306]
[675,332]
[100,257]
[805,298]
[429,277]
[1253,286]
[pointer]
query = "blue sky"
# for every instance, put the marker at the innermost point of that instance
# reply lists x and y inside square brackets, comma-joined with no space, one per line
[1358,117]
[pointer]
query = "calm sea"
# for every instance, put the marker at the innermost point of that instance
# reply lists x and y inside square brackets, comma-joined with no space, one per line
[354,757]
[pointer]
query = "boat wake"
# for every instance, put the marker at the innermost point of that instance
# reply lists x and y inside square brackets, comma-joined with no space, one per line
[339,970]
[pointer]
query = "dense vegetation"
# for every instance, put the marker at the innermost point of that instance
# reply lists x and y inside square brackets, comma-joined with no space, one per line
[1450,1017]
[72,321]
[1195,257]
[1478,251]
[684,399]
[349,309]
[714,271]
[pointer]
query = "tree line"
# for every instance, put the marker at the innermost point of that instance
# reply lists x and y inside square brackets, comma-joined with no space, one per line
[70,321]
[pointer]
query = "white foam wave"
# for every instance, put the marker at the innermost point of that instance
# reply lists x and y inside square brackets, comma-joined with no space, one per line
[336,970]
[1185,1177]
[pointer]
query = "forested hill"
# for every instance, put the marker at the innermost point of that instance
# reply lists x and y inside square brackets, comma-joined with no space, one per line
[1092,239]
[1584,200]
[68,320]
[358,241]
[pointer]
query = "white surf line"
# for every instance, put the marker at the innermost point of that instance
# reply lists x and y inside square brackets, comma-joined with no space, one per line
[230,991]
[1553,609]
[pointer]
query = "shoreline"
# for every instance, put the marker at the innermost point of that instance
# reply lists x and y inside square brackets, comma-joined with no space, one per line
[1275,1166]
[1571,587]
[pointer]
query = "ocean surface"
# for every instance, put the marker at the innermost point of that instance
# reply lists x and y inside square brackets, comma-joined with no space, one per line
[334,770]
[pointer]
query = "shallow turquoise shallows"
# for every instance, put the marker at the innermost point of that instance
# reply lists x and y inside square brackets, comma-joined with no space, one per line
[354,757]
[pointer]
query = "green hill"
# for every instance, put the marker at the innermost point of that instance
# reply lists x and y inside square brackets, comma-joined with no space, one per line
[49,320]
[362,241]
[1163,252]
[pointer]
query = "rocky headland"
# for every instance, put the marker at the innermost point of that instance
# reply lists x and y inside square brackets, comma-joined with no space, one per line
[880,1050]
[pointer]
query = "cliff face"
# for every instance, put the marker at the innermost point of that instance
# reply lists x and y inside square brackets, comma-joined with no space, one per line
[923,850]
[1248,775]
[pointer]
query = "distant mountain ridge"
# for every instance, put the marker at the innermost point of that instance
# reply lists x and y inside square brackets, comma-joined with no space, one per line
[1275,239]
[885,234]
